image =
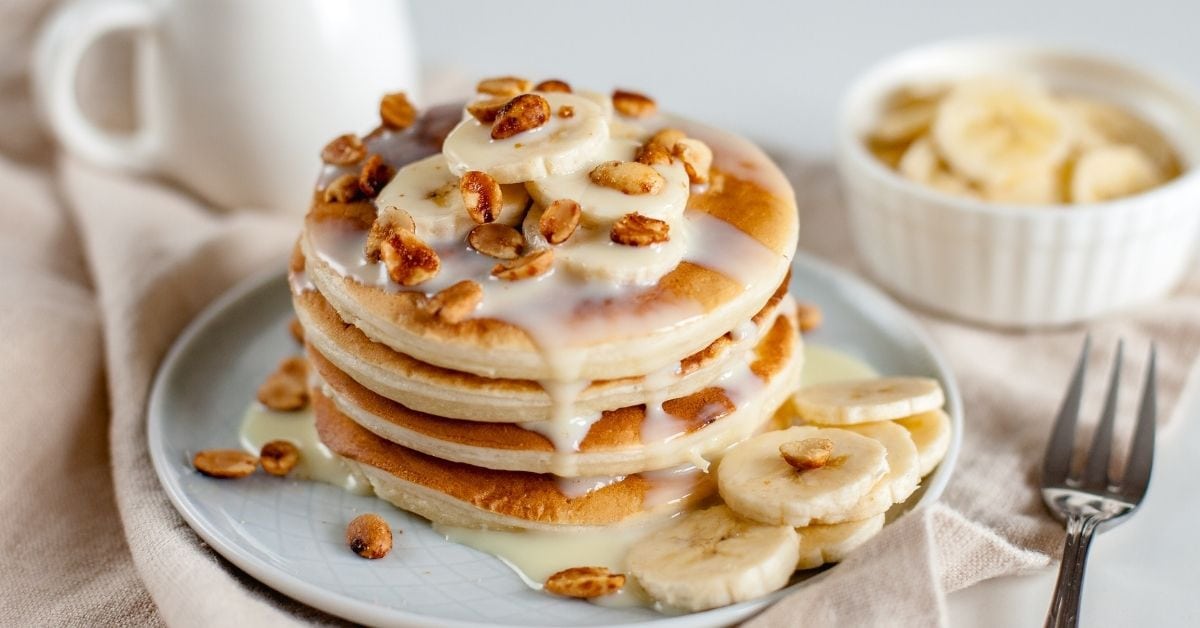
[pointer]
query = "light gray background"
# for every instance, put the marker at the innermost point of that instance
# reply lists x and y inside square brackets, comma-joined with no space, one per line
[774,71]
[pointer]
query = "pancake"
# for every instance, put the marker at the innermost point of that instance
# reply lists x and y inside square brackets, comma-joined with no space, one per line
[457,395]
[457,494]
[615,442]
[742,230]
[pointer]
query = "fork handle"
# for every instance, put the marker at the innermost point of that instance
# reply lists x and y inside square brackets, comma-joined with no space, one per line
[1064,607]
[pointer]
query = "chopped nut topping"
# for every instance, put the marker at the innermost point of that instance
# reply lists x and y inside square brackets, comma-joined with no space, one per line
[225,463]
[344,150]
[807,454]
[696,157]
[285,390]
[638,230]
[387,223]
[369,536]
[653,154]
[456,303]
[296,329]
[633,104]
[396,112]
[525,112]
[666,138]
[630,177]
[279,457]
[507,86]
[809,316]
[482,196]
[585,582]
[559,220]
[553,85]
[497,240]
[525,267]
[566,111]
[409,261]
[374,175]
[343,189]
[486,110]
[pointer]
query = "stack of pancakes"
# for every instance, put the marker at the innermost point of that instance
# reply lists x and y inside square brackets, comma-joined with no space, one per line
[564,401]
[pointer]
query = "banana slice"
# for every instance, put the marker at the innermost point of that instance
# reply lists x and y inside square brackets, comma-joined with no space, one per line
[908,114]
[904,464]
[561,146]
[820,545]
[428,191]
[921,163]
[756,482]
[591,253]
[900,482]
[713,558]
[930,432]
[1100,124]
[1109,172]
[988,128]
[867,400]
[1026,187]
[876,503]
[600,204]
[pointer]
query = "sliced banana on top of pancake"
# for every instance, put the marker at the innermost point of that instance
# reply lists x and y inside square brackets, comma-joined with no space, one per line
[429,192]
[794,476]
[568,140]
[1107,172]
[988,128]
[590,251]
[823,544]
[867,400]
[930,432]
[605,202]
[713,558]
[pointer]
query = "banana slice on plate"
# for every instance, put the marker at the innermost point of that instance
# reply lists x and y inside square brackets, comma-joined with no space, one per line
[986,128]
[600,203]
[867,400]
[904,464]
[713,558]
[428,191]
[901,481]
[560,146]
[590,252]
[820,545]
[930,432]
[757,479]
[1107,172]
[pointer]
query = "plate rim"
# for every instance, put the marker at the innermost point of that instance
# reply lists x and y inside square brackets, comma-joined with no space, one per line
[357,610]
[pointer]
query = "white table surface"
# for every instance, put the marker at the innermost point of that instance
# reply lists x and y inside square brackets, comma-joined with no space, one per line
[775,71]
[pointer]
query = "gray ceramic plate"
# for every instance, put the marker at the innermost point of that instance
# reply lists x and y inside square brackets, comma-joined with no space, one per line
[289,534]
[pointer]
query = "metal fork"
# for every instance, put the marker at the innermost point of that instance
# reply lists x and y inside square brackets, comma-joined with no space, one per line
[1092,498]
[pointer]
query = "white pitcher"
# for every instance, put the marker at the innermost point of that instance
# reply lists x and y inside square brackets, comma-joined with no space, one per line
[235,98]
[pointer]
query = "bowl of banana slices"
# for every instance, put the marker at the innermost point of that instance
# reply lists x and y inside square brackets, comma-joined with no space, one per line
[1021,185]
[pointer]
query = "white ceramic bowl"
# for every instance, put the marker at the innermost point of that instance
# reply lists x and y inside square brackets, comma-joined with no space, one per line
[1010,265]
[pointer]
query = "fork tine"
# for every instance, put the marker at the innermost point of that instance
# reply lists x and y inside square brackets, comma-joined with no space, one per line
[1141,453]
[1057,464]
[1095,472]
